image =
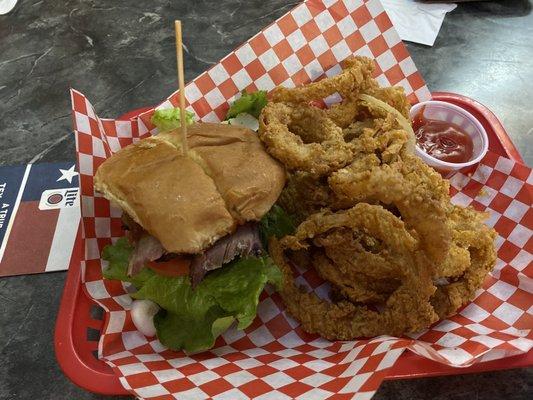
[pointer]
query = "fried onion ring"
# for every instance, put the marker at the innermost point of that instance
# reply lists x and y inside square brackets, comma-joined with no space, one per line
[319,141]
[407,309]
[348,83]
[470,235]
[387,185]
[393,96]
[305,194]
[383,108]
[353,267]
[376,222]
[303,138]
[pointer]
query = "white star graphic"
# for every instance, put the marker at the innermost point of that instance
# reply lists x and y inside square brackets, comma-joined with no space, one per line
[67,174]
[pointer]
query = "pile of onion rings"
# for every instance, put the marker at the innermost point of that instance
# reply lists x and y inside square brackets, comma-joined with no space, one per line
[374,220]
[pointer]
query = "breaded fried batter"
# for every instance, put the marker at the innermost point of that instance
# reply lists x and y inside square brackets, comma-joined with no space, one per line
[376,222]
[407,309]
[468,274]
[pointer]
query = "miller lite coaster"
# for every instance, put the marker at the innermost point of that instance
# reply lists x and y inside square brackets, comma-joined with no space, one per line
[39,217]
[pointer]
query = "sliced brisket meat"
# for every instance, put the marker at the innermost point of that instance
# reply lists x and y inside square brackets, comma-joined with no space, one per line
[245,241]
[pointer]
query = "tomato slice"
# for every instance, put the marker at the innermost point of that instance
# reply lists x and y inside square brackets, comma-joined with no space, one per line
[178,266]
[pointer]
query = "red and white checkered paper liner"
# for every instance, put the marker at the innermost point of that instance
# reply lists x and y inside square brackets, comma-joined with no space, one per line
[274,358]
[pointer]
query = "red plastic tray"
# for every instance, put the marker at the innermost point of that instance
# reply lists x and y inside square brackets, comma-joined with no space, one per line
[80,320]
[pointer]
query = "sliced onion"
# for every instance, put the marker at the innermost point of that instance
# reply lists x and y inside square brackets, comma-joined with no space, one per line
[142,315]
[246,120]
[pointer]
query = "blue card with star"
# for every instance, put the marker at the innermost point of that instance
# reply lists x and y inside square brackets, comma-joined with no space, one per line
[39,217]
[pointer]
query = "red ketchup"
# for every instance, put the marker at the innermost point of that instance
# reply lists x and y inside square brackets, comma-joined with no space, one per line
[443,140]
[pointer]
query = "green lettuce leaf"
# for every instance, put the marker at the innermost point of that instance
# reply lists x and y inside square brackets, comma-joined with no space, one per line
[117,256]
[275,223]
[170,118]
[189,333]
[251,103]
[237,286]
[192,319]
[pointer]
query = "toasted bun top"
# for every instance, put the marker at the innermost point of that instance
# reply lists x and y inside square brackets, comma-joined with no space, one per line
[190,202]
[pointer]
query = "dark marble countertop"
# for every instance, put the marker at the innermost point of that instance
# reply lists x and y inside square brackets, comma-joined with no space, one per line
[121,55]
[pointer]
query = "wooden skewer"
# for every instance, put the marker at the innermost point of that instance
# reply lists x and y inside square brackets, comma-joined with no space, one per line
[181,83]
